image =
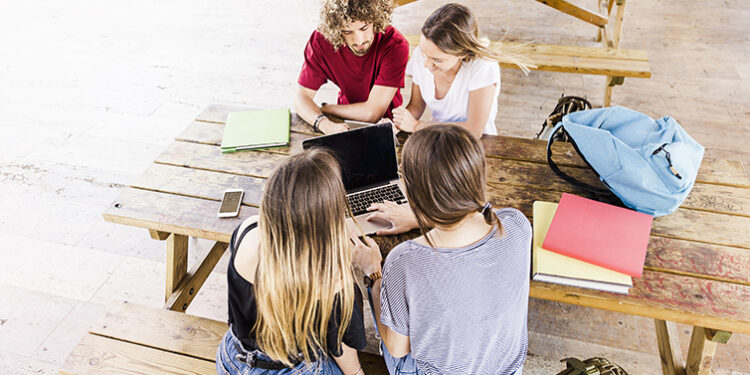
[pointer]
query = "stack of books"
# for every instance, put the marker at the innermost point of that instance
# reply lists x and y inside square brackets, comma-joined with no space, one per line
[252,130]
[589,244]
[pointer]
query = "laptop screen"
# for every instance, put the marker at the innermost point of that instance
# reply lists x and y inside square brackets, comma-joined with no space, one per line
[367,155]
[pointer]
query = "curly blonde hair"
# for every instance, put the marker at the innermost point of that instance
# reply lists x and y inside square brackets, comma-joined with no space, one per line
[337,14]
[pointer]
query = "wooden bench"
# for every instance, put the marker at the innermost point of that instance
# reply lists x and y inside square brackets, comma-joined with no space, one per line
[134,339]
[608,60]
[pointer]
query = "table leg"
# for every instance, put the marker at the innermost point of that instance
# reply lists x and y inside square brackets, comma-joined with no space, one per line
[702,348]
[188,288]
[177,251]
[669,348]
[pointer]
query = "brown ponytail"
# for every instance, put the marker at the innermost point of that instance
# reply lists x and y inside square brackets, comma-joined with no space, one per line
[445,178]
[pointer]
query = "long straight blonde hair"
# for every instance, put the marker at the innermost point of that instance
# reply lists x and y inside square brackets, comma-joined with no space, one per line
[305,270]
[454,29]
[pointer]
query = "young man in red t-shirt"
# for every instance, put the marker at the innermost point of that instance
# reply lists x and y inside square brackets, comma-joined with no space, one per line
[355,48]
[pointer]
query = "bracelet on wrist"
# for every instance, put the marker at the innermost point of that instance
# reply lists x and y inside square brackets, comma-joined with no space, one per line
[316,123]
[369,280]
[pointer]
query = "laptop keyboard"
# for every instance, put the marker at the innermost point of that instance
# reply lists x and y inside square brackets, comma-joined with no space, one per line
[360,201]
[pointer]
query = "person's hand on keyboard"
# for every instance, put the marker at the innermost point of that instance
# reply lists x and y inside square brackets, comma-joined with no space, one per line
[400,217]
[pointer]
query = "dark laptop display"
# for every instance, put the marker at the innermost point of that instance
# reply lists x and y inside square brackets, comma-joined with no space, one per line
[367,155]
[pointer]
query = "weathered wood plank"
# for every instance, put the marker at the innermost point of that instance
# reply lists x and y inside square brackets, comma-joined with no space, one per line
[708,197]
[199,183]
[174,214]
[664,296]
[99,355]
[217,113]
[575,59]
[705,227]
[721,263]
[685,224]
[714,198]
[674,255]
[613,54]
[177,252]
[576,11]
[188,288]
[723,172]
[205,157]
[586,65]
[161,329]
[210,133]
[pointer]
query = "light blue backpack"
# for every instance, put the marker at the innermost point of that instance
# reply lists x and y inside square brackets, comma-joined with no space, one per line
[650,165]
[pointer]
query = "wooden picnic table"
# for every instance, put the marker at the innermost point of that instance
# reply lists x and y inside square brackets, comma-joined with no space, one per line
[697,268]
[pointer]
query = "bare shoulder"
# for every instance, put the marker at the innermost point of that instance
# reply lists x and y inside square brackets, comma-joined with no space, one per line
[247,256]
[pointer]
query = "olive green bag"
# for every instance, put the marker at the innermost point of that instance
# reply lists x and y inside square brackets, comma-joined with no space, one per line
[591,366]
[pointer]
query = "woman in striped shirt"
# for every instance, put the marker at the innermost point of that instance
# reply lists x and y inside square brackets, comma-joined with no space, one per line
[455,300]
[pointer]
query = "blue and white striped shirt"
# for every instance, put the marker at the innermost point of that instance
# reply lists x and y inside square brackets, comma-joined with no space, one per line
[463,309]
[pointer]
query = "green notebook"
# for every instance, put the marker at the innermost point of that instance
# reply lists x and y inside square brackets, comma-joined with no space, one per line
[251,130]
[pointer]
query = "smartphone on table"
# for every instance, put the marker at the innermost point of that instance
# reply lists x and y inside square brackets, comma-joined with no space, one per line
[231,202]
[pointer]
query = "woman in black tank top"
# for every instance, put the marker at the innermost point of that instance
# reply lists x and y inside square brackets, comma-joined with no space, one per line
[293,304]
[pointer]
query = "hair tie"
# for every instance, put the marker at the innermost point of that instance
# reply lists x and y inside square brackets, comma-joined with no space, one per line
[485,207]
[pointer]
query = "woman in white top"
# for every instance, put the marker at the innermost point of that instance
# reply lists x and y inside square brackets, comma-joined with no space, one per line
[453,73]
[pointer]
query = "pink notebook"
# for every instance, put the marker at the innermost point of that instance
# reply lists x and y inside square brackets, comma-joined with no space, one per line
[600,233]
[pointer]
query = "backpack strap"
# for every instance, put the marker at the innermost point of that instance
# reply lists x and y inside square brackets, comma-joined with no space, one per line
[564,175]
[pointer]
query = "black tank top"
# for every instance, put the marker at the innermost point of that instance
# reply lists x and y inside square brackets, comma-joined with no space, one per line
[243,309]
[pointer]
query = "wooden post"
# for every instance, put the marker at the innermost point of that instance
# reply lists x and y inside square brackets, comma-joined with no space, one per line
[188,288]
[700,354]
[617,31]
[601,31]
[177,251]
[669,348]
[158,235]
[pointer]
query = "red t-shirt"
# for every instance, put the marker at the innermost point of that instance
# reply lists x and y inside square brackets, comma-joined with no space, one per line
[383,65]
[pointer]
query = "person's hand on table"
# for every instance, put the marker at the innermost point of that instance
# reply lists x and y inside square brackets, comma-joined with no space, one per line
[403,120]
[366,255]
[399,215]
[329,127]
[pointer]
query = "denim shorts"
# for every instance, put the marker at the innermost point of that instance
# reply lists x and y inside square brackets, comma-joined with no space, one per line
[227,362]
[408,365]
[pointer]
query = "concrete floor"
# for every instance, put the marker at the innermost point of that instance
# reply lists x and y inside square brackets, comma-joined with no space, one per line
[92,91]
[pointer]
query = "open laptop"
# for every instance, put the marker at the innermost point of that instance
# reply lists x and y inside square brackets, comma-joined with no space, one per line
[353,124]
[369,169]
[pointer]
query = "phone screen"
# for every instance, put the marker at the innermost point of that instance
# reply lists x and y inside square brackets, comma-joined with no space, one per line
[230,202]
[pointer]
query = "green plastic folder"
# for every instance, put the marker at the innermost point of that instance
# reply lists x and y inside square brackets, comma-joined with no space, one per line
[252,130]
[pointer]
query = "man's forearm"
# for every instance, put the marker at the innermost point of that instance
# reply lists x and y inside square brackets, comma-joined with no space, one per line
[356,111]
[306,108]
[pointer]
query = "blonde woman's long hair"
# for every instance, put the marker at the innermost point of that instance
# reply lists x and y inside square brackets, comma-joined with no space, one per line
[454,29]
[304,275]
[443,168]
